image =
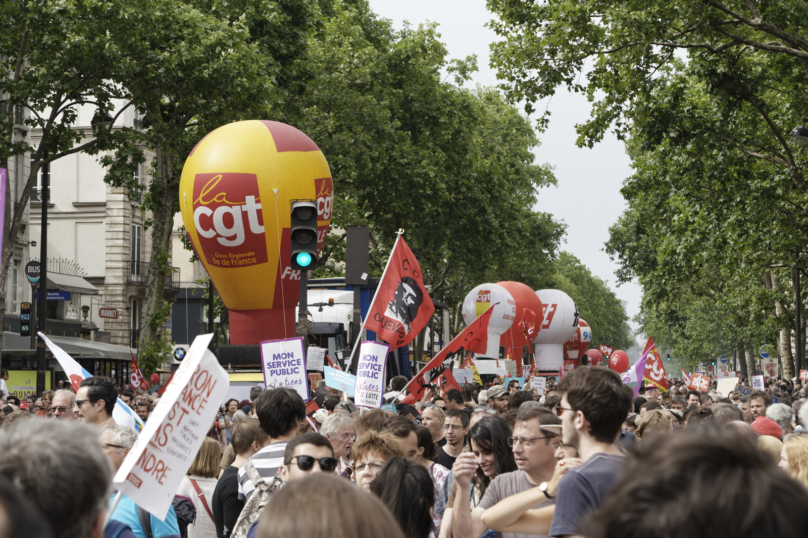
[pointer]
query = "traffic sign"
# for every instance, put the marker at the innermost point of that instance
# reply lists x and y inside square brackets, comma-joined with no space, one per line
[32,273]
[25,319]
[764,352]
[722,358]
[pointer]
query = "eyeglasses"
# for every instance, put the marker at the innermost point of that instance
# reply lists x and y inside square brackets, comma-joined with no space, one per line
[527,442]
[346,436]
[560,410]
[306,463]
[373,467]
[37,407]
[60,409]
[79,403]
[108,445]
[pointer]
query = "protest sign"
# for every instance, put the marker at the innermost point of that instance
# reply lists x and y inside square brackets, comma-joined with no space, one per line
[339,380]
[510,367]
[370,374]
[757,382]
[770,368]
[315,358]
[151,473]
[745,391]
[389,408]
[463,375]
[775,399]
[700,382]
[726,386]
[520,380]
[284,365]
[540,384]
[804,376]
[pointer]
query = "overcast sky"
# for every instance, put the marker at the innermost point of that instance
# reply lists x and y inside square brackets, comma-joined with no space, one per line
[588,196]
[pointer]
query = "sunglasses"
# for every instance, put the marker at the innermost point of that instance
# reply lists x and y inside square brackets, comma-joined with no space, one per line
[306,463]
[560,410]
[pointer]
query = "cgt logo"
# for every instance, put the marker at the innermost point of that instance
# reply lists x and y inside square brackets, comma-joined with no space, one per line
[549,314]
[325,199]
[229,219]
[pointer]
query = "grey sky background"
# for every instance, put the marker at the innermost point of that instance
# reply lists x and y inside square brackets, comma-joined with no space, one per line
[587,197]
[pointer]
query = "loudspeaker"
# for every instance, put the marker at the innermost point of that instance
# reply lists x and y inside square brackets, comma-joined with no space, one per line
[357,255]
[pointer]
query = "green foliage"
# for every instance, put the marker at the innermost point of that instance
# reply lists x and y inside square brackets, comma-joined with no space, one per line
[157,351]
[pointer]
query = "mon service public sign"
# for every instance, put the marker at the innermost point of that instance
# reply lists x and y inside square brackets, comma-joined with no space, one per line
[284,365]
[370,374]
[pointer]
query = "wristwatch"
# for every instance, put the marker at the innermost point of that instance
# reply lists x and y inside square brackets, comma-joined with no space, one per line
[543,489]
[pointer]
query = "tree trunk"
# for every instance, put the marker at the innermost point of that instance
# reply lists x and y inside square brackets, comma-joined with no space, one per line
[751,362]
[164,195]
[784,341]
[741,360]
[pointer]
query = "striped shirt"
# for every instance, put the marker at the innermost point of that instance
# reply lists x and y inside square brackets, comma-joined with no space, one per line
[267,461]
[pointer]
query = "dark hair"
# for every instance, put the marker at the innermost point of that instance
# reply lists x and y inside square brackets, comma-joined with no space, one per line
[398,383]
[128,393]
[101,388]
[490,435]
[765,396]
[509,417]
[142,404]
[694,392]
[280,411]
[331,402]
[316,439]
[425,441]
[3,372]
[408,491]
[453,395]
[400,426]
[724,401]
[542,414]
[678,400]
[711,483]
[255,392]
[696,415]
[638,401]
[245,433]
[724,412]
[407,410]
[458,413]
[650,406]
[552,400]
[468,394]
[370,420]
[519,398]
[705,398]
[21,516]
[745,399]
[227,403]
[601,396]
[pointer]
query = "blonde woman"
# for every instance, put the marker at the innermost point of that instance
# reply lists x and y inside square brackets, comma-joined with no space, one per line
[794,457]
[198,485]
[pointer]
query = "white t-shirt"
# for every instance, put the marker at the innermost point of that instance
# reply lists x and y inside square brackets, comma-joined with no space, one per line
[203,527]
[4,389]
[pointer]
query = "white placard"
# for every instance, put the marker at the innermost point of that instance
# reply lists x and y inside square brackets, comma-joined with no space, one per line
[165,449]
[463,375]
[540,384]
[726,386]
[315,358]
[284,365]
[370,374]
[757,382]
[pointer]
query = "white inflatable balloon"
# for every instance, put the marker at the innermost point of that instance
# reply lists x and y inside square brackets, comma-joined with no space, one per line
[479,300]
[560,323]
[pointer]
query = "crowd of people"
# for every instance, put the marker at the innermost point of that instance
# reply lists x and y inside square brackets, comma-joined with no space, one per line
[583,458]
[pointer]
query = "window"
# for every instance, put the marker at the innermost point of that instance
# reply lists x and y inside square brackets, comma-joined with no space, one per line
[136,195]
[136,239]
[135,324]
[42,179]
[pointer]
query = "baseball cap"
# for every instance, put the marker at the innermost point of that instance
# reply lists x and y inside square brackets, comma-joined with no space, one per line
[766,426]
[497,391]
[23,405]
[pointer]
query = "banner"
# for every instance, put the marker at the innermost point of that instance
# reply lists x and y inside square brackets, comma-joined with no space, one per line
[315,358]
[473,338]
[284,365]
[401,307]
[339,380]
[136,377]
[654,369]
[700,382]
[758,383]
[685,377]
[529,326]
[370,374]
[634,375]
[121,413]
[540,384]
[606,350]
[476,374]
[770,368]
[804,376]
[152,471]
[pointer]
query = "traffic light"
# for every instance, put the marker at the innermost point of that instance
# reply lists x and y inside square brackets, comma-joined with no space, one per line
[669,356]
[304,236]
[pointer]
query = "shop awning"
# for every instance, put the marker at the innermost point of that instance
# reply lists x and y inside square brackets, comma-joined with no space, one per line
[74,284]
[77,347]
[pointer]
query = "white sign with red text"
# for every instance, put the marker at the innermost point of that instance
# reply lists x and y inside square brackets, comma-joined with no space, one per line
[151,473]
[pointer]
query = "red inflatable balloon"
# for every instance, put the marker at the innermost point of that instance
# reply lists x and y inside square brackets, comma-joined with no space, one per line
[155,379]
[619,361]
[595,357]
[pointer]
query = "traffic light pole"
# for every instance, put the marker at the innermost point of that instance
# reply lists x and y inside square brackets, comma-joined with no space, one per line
[302,308]
[42,307]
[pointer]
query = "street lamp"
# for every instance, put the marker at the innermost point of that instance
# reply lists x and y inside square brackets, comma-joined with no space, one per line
[800,134]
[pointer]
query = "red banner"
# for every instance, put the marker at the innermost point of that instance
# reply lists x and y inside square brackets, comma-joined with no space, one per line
[700,382]
[654,369]
[528,324]
[607,351]
[474,338]
[136,377]
[402,306]
[685,377]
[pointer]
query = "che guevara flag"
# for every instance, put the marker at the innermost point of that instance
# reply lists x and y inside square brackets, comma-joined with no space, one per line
[474,338]
[401,307]
[654,370]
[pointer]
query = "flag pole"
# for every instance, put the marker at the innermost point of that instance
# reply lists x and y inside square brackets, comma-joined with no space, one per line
[375,295]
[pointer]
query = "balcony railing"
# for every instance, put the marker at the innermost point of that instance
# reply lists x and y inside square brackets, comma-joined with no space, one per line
[138,273]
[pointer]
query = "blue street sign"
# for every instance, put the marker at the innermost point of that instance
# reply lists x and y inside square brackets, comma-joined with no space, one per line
[764,352]
[722,358]
[56,295]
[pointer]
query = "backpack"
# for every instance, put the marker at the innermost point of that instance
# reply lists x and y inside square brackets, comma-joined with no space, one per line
[183,507]
[259,498]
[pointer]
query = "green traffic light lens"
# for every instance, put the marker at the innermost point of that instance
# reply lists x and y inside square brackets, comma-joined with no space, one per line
[304,259]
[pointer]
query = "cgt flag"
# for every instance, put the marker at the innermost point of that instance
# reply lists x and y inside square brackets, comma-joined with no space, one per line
[654,370]
[401,307]
[474,338]
[136,377]
[685,377]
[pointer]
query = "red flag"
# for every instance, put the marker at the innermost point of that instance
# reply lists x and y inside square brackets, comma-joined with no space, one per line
[332,364]
[528,324]
[162,389]
[473,338]
[685,377]
[402,306]
[607,351]
[654,370]
[448,381]
[467,362]
[136,377]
